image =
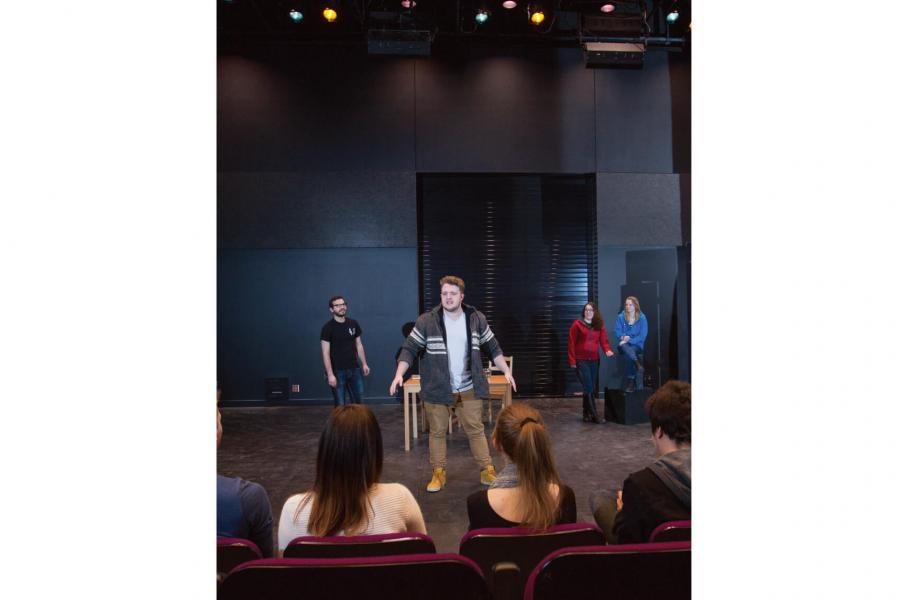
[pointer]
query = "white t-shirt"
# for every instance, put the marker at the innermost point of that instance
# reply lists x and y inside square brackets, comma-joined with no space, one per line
[393,510]
[460,373]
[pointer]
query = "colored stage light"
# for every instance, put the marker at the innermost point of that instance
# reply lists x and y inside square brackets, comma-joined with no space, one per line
[510,4]
[608,7]
[330,14]
[408,3]
[537,17]
[481,16]
[672,16]
[295,15]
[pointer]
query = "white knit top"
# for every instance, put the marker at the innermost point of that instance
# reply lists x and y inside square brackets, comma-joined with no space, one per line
[393,510]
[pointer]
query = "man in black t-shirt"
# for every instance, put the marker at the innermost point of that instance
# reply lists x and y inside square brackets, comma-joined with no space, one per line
[342,353]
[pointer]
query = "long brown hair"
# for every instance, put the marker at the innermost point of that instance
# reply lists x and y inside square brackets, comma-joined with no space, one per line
[637,308]
[347,466]
[521,433]
[597,321]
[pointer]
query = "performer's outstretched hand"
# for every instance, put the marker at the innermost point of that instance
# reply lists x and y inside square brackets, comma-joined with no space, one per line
[398,380]
[511,381]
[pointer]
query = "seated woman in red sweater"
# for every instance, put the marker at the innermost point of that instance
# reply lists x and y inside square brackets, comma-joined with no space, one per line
[527,492]
[586,336]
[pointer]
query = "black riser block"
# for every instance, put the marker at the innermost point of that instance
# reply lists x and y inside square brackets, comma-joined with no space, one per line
[626,408]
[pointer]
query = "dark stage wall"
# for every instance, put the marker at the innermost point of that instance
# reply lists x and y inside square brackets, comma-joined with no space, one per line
[318,151]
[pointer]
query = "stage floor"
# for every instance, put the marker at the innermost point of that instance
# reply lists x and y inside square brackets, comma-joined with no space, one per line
[276,447]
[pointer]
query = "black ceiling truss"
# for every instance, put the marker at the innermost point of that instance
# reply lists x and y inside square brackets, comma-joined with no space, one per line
[566,22]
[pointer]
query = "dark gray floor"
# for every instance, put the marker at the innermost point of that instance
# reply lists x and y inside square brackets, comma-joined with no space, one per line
[276,447]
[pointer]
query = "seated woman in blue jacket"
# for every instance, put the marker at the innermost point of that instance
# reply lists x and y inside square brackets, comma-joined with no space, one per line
[631,331]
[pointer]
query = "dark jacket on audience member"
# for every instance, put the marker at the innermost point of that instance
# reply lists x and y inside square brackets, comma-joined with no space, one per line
[652,496]
[243,511]
[482,515]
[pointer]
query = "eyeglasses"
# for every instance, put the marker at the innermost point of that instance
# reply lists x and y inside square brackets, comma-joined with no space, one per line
[338,305]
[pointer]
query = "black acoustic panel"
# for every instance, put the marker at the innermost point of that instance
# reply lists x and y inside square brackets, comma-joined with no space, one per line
[650,273]
[527,110]
[682,309]
[639,209]
[634,118]
[680,83]
[272,305]
[307,108]
[685,191]
[317,210]
[526,247]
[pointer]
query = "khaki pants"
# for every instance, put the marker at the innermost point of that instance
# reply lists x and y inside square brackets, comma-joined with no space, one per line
[468,408]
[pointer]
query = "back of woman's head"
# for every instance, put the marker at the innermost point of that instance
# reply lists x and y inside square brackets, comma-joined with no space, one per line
[521,434]
[348,464]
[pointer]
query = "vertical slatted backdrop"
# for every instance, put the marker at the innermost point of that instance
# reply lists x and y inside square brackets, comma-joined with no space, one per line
[526,246]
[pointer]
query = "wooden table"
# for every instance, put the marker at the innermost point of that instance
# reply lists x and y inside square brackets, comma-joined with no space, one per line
[412,387]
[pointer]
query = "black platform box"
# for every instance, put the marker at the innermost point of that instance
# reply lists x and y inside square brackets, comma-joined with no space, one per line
[626,408]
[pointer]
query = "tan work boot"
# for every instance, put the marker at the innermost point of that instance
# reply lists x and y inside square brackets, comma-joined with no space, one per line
[438,480]
[488,475]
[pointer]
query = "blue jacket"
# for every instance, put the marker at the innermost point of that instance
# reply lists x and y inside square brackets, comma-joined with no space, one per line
[638,331]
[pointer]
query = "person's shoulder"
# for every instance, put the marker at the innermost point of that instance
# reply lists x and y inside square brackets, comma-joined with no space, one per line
[392,489]
[393,492]
[642,478]
[295,500]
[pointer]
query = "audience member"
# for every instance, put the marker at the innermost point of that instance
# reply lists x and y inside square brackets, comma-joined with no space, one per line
[662,491]
[528,491]
[242,507]
[347,498]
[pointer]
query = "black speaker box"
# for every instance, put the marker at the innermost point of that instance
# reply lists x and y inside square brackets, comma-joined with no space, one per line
[626,408]
[277,388]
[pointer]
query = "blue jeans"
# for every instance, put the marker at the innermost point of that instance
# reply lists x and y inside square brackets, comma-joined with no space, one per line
[633,353]
[352,380]
[588,371]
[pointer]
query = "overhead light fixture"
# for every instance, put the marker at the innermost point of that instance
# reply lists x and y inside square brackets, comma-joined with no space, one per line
[482,16]
[408,3]
[295,15]
[672,16]
[608,7]
[510,4]
[330,14]
[608,54]
[402,42]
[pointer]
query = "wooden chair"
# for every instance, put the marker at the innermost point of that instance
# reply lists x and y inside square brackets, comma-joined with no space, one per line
[492,369]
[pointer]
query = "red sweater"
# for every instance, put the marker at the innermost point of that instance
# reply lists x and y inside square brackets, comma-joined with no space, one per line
[584,342]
